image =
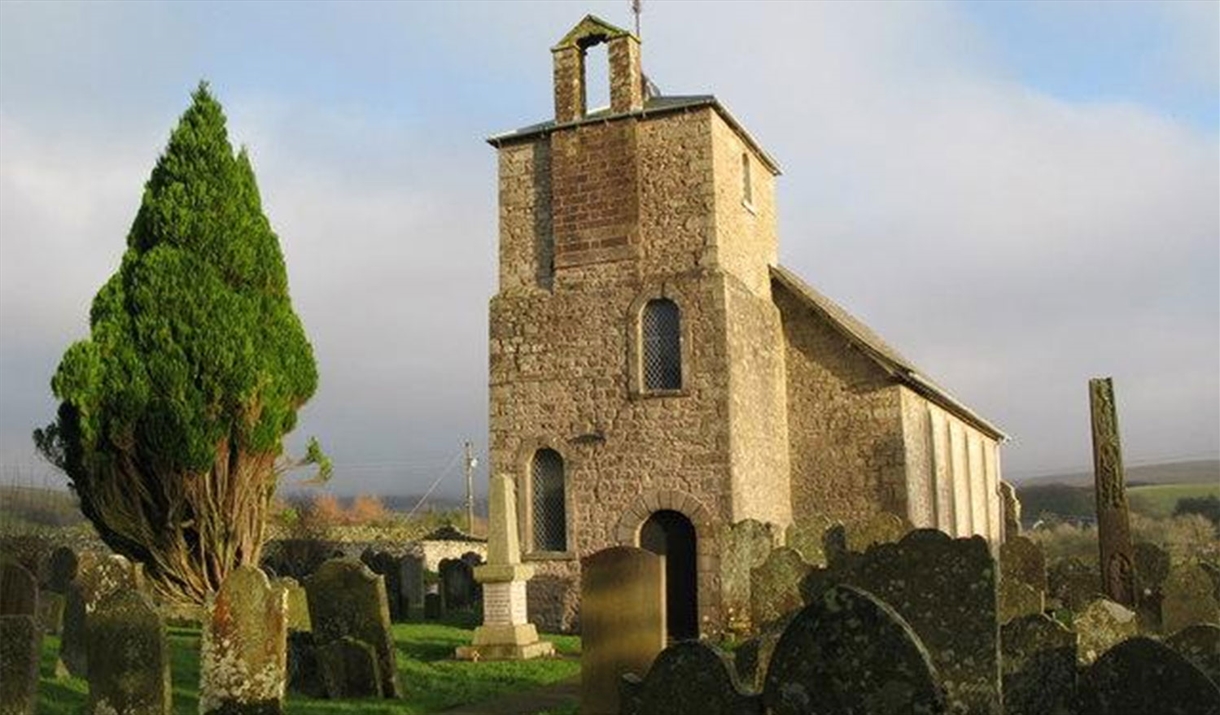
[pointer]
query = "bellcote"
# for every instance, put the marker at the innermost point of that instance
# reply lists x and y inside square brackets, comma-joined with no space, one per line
[626,77]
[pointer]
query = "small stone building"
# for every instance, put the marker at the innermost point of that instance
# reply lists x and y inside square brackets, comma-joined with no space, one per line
[656,375]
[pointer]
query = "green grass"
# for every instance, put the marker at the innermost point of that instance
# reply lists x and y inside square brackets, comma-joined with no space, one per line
[433,681]
[1158,500]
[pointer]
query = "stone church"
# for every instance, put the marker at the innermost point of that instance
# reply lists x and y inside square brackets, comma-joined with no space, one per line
[656,375]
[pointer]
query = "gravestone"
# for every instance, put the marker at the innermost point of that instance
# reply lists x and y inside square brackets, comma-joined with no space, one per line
[412,580]
[128,657]
[1151,569]
[387,565]
[243,663]
[1038,657]
[1022,560]
[1141,675]
[880,528]
[349,669]
[849,652]
[1017,599]
[808,538]
[743,546]
[432,606]
[61,569]
[20,648]
[1101,625]
[775,586]
[946,590]
[1200,645]
[96,578]
[298,603]
[1011,507]
[752,657]
[304,675]
[1117,555]
[18,590]
[622,598]
[688,678]
[1073,583]
[457,584]
[1187,599]
[347,599]
[51,612]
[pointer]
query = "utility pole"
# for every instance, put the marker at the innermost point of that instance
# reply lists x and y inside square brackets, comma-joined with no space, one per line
[471,463]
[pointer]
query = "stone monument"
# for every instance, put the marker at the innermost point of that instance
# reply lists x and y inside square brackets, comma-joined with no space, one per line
[506,633]
[1117,555]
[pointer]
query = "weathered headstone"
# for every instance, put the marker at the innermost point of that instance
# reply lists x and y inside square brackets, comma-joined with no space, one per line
[1011,507]
[347,599]
[506,633]
[412,580]
[1151,569]
[1199,644]
[851,653]
[1073,583]
[743,546]
[880,528]
[1141,675]
[1039,666]
[946,590]
[349,668]
[622,622]
[775,586]
[51,612]
[61,569]
[1017,598]
[128,657]
[298,603]
[1101,625]
[688,678]
[457,584]
[243,663]
[752,657]
[432,606]
[1187,599]
[304,675]
[808,538]
[18,590]
[96,578]
[20,648]
[1022,560]
[388,566]
[1117,555]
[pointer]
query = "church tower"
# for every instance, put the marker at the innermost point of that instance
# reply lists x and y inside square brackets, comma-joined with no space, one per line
[637,374]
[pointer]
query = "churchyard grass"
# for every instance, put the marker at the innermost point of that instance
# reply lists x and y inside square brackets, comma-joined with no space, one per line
[432,679]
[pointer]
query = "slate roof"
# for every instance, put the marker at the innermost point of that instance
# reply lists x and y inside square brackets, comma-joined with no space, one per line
[653,106]
[872,345]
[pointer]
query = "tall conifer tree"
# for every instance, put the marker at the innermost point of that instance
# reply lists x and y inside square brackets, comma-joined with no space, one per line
[173,411]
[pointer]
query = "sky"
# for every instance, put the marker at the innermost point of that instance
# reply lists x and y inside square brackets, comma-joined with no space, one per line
[1017,196]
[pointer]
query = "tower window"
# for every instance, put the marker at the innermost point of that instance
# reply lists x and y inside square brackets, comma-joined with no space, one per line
[547,501]
[747,186]
[662,345]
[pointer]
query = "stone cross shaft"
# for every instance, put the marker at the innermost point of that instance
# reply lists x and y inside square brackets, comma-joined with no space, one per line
[1117,555]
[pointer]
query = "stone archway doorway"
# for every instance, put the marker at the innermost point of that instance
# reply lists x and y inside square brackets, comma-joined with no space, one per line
[670,534]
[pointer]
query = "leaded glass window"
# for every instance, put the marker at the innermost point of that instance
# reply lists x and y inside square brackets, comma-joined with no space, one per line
[662,342]
[547,502]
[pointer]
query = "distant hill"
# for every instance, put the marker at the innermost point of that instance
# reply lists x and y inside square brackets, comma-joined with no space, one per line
[1202,471]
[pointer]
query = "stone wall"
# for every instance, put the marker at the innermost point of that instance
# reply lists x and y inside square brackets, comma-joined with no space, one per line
[952,471]
[844,421]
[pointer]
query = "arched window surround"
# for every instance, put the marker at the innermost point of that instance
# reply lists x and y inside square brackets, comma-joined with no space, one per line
[637,383]
[526,512]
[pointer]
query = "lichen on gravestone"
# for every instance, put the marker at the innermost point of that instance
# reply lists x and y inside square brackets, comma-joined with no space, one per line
[243,655]
[128,657]
[1140,675]
[1102,624]
[1038,657]
[689,678]
[775,586]
[20,647]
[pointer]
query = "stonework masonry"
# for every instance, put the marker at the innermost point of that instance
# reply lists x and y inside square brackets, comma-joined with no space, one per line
[786,408]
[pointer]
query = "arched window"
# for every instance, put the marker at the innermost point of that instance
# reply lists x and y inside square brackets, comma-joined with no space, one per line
[660,333]
[547,501]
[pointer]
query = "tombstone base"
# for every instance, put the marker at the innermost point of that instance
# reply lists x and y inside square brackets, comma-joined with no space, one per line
[514,642]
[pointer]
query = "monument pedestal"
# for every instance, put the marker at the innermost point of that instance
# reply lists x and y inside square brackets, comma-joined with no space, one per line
[506,633]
